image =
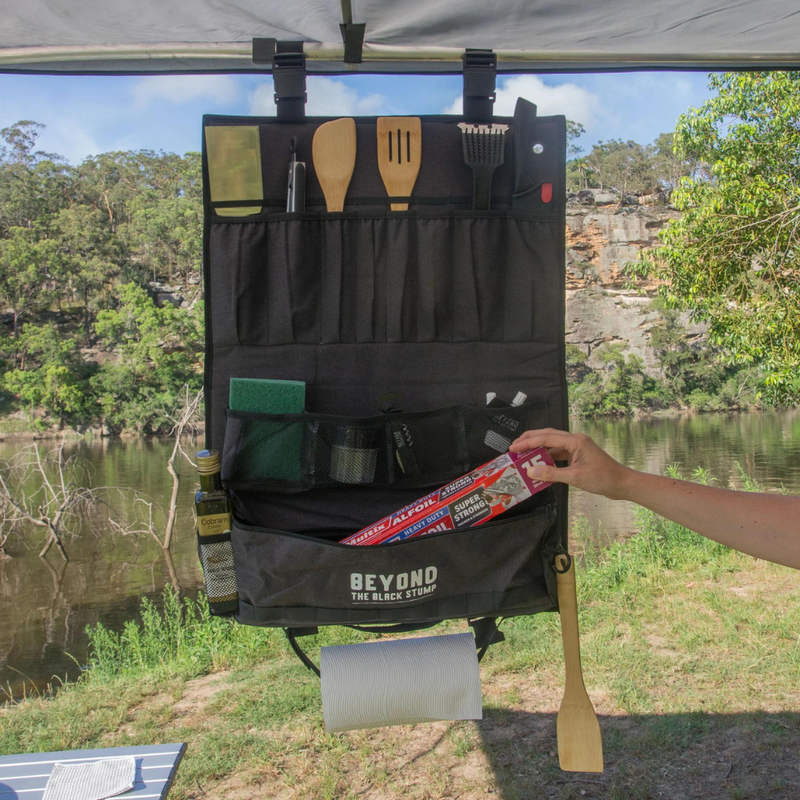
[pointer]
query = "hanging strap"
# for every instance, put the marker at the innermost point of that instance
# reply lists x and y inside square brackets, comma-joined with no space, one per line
[486,634]
[480,78]
[289,78]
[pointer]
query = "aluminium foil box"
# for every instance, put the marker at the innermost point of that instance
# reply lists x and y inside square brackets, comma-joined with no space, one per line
[472,499]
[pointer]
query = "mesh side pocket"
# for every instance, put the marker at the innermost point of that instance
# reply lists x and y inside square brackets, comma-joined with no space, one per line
[298,452]
[490,431]
[216,558]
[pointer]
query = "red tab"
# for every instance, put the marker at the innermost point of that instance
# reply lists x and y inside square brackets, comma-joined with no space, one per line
[547,192]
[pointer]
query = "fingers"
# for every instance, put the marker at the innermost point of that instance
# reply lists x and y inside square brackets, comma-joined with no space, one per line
[546,437]
[551,474]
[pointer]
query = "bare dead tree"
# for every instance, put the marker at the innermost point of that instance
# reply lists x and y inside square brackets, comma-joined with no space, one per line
[53,504]
[184,422]
[53,492]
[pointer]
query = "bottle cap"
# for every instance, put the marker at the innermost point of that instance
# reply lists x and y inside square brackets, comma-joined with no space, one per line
[208,462]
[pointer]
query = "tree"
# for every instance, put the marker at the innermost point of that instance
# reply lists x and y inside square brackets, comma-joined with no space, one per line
[670,167]
[51,374]
[158,352]
[26,258]
[88,258]
[733,258]
[618,388]
[33,185]
[574,132]
[625,166]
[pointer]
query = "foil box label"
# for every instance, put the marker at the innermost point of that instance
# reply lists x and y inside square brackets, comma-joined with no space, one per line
[472,499]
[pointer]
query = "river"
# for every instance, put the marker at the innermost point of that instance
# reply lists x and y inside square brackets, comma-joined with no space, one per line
[46,604]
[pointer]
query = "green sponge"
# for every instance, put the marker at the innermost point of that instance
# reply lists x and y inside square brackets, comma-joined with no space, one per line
[272,449]
[268,396]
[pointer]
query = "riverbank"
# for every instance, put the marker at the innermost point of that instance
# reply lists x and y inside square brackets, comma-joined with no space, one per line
[690,656]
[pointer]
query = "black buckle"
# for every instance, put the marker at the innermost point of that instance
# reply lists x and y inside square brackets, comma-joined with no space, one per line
[289,78]
[480,79]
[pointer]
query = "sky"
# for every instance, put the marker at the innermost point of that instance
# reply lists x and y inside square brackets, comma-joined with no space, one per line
[89,115]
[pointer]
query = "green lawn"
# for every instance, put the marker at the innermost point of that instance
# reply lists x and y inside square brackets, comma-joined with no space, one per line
[691,656]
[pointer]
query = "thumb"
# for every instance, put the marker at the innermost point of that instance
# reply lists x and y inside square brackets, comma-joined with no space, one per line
[549,474]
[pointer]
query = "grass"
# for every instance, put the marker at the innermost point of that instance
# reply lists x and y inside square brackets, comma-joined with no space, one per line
[690,654]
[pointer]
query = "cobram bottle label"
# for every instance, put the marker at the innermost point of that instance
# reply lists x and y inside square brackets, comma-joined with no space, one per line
[213,524]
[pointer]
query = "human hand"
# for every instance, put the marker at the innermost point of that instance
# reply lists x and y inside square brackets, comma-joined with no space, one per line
[590,467]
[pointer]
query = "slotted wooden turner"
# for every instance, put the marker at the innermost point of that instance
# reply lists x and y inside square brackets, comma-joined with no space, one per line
[399,155]
[580,747]
[334,153]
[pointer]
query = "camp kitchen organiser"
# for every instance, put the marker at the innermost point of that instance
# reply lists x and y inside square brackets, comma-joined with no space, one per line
[399,323]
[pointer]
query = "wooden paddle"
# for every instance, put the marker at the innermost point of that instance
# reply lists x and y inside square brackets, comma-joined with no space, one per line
[580,747]
[399,155]
[334,153]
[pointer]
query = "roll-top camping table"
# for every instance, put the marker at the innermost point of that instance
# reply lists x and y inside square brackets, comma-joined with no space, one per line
[24,777]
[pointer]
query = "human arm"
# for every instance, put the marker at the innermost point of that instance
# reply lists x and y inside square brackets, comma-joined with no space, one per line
[763,525]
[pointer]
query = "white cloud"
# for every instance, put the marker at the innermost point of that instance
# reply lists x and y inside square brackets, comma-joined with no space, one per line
[575,102]
[326,98]
[69,139]
[183,88]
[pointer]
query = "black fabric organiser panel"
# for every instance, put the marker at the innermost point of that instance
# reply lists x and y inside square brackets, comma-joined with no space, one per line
[439,304]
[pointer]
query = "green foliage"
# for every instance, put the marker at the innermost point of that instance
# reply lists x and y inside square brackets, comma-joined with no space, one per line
[574,132]
[625,166]
[78,244]
[618,388]
[631,168]
[50,374]
[25,271]
[695,373]
[182,636]
[158,351]
[732,259]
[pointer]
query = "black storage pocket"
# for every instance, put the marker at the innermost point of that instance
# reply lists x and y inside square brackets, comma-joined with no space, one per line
[298,452]
[352,278]
[498,569]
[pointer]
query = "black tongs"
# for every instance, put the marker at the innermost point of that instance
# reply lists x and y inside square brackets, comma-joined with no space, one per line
[296,195]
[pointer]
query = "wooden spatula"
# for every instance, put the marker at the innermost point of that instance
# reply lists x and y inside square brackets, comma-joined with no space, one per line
[580,747]
[399,155]
[334,153]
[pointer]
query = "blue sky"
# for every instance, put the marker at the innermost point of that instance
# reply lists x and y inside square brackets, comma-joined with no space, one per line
[88,115]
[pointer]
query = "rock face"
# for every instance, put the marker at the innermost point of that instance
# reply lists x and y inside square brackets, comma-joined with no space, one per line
[604,232]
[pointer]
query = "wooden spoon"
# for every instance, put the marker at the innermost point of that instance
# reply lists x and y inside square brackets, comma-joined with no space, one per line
[334,153]
[399,155]
[580,747]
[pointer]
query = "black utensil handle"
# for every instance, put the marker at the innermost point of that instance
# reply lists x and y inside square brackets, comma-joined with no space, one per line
[522,131]
[484,174]
[297,187]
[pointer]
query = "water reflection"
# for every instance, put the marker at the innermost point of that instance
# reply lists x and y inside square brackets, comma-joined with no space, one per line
[765,445]
[45,605]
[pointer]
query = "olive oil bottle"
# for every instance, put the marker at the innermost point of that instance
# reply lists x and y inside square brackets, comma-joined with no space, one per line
[213,514]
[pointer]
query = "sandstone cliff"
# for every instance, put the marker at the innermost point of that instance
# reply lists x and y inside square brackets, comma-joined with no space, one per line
[604,232]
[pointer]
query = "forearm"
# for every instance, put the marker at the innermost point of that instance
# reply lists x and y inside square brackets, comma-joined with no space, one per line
[764,525]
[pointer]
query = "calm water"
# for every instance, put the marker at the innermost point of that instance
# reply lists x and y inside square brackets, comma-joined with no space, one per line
[45,604]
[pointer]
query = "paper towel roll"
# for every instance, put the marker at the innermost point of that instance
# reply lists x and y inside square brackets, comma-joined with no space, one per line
[400,682]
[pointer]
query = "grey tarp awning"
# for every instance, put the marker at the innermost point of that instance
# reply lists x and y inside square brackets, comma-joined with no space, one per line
[402,36]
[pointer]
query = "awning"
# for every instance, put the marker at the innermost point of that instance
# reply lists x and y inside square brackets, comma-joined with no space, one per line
[398,36]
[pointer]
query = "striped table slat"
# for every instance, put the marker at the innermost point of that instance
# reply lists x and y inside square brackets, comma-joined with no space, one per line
[25,776]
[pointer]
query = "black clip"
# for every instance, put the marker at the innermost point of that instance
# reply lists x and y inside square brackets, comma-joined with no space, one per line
[480,79]
[289,78]
[353,38]
[263,50]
